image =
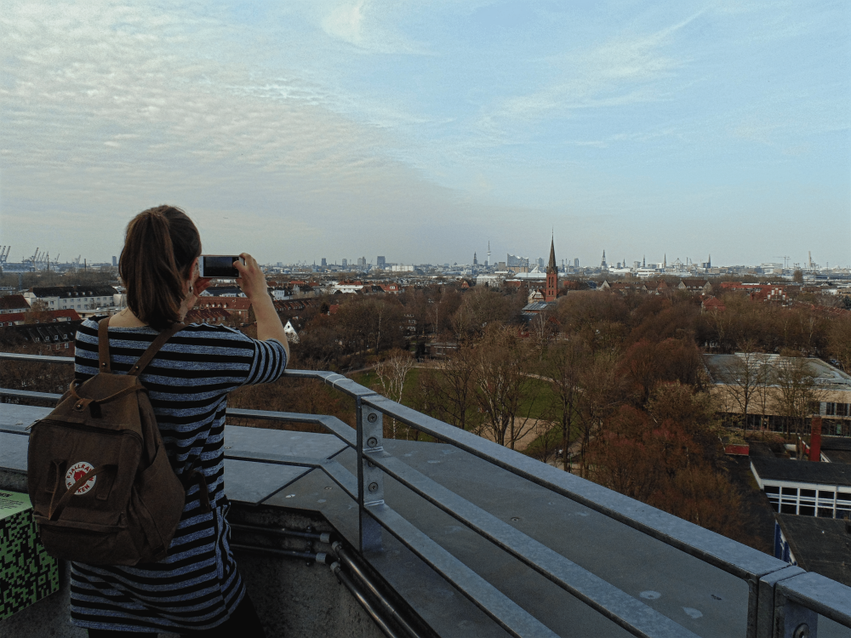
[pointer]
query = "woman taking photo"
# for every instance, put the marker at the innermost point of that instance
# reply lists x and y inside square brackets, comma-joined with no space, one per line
[196,590]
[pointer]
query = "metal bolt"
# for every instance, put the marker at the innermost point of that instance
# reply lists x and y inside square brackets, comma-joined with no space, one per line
[372,417]
[372,441]
[802,631]
[373,487]
[515,518]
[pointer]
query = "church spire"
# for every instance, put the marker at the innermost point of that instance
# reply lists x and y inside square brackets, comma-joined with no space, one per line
[551,266]
[551,287]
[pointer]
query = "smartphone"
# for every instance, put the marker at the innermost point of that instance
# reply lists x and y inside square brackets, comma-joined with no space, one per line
[219,266]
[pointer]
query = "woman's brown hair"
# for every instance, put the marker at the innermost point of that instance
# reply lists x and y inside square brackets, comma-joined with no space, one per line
[160,245]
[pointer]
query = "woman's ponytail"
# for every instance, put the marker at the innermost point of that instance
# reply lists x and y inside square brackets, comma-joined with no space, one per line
[159,248]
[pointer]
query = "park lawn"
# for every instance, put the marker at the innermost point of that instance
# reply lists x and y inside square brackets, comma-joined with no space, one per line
[369,379]
[536,402]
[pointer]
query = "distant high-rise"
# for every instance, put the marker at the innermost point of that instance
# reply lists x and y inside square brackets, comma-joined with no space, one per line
[576,262]
[324,262]
[488,262]
[603,264]
[345,262]
[380,262]
[475,261]
[114,261]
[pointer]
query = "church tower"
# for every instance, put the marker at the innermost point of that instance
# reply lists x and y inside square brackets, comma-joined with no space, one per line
[551,289]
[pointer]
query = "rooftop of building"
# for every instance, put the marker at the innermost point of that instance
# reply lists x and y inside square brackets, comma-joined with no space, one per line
[821,545]
[73,291]
[724,368]
[790,470]
[836,449]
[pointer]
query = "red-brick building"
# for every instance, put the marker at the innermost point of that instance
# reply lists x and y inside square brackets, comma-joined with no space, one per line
[551,288]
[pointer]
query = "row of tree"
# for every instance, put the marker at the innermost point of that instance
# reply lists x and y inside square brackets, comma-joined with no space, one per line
[374,324]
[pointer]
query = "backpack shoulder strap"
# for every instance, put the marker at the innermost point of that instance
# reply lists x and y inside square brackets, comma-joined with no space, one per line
[144,360]
[103,346]
[152,350]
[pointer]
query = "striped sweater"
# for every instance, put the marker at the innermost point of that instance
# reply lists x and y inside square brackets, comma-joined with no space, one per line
[197,586]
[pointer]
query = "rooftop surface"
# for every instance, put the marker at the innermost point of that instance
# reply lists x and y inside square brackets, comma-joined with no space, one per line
[801,471]
[821,545]
[259,470]
[722,368]
[483,517]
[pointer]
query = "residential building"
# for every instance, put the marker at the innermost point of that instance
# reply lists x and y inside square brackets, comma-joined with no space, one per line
[78,298]
[48,316]
[757,375]
[234,305]
[42,338]
[13,304]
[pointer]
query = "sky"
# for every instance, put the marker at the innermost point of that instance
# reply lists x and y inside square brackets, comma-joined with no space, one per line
[423,130]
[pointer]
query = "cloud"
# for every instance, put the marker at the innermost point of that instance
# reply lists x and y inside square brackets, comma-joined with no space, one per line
[345,22]
[109,107]
[322,122]
[370,26]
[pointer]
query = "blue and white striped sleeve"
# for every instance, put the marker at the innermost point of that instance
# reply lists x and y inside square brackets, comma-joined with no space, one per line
[270,361]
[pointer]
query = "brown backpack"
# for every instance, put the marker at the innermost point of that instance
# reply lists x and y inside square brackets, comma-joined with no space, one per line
[102,488]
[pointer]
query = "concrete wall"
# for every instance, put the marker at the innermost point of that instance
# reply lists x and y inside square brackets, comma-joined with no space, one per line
[292,597]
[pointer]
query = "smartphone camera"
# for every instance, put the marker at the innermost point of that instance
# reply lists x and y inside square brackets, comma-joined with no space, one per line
[219,266]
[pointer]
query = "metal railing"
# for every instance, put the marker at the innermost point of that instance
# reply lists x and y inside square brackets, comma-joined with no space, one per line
[783,600]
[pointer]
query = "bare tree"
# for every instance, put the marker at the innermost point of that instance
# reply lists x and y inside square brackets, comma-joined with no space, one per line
[796,393]
[504,388]
[448,391]
[745,377]
[392,373]
[600,396]
[38,312]
[839,340]
[563,367]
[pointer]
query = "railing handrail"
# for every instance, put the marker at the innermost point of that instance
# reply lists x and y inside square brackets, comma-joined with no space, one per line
[796,594]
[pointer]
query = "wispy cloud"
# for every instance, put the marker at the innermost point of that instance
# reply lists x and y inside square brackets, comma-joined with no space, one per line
[625,70]
[368,25]
[389,121]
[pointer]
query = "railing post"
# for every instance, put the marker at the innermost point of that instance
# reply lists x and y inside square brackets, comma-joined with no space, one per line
[794,620]
[766,601]
[370,476]
[780,617]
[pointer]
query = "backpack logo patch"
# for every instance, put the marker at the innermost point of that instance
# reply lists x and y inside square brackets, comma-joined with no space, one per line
[75,473]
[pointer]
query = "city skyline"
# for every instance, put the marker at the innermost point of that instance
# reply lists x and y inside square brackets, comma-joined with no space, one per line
[373,128]
[511,261]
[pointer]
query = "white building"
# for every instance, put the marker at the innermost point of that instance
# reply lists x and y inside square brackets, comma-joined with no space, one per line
[79,298]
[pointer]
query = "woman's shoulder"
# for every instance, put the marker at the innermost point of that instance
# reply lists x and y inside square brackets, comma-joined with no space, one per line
[201,329]
[207,333]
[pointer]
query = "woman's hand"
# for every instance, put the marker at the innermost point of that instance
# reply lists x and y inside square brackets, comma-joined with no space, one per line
[251,280]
